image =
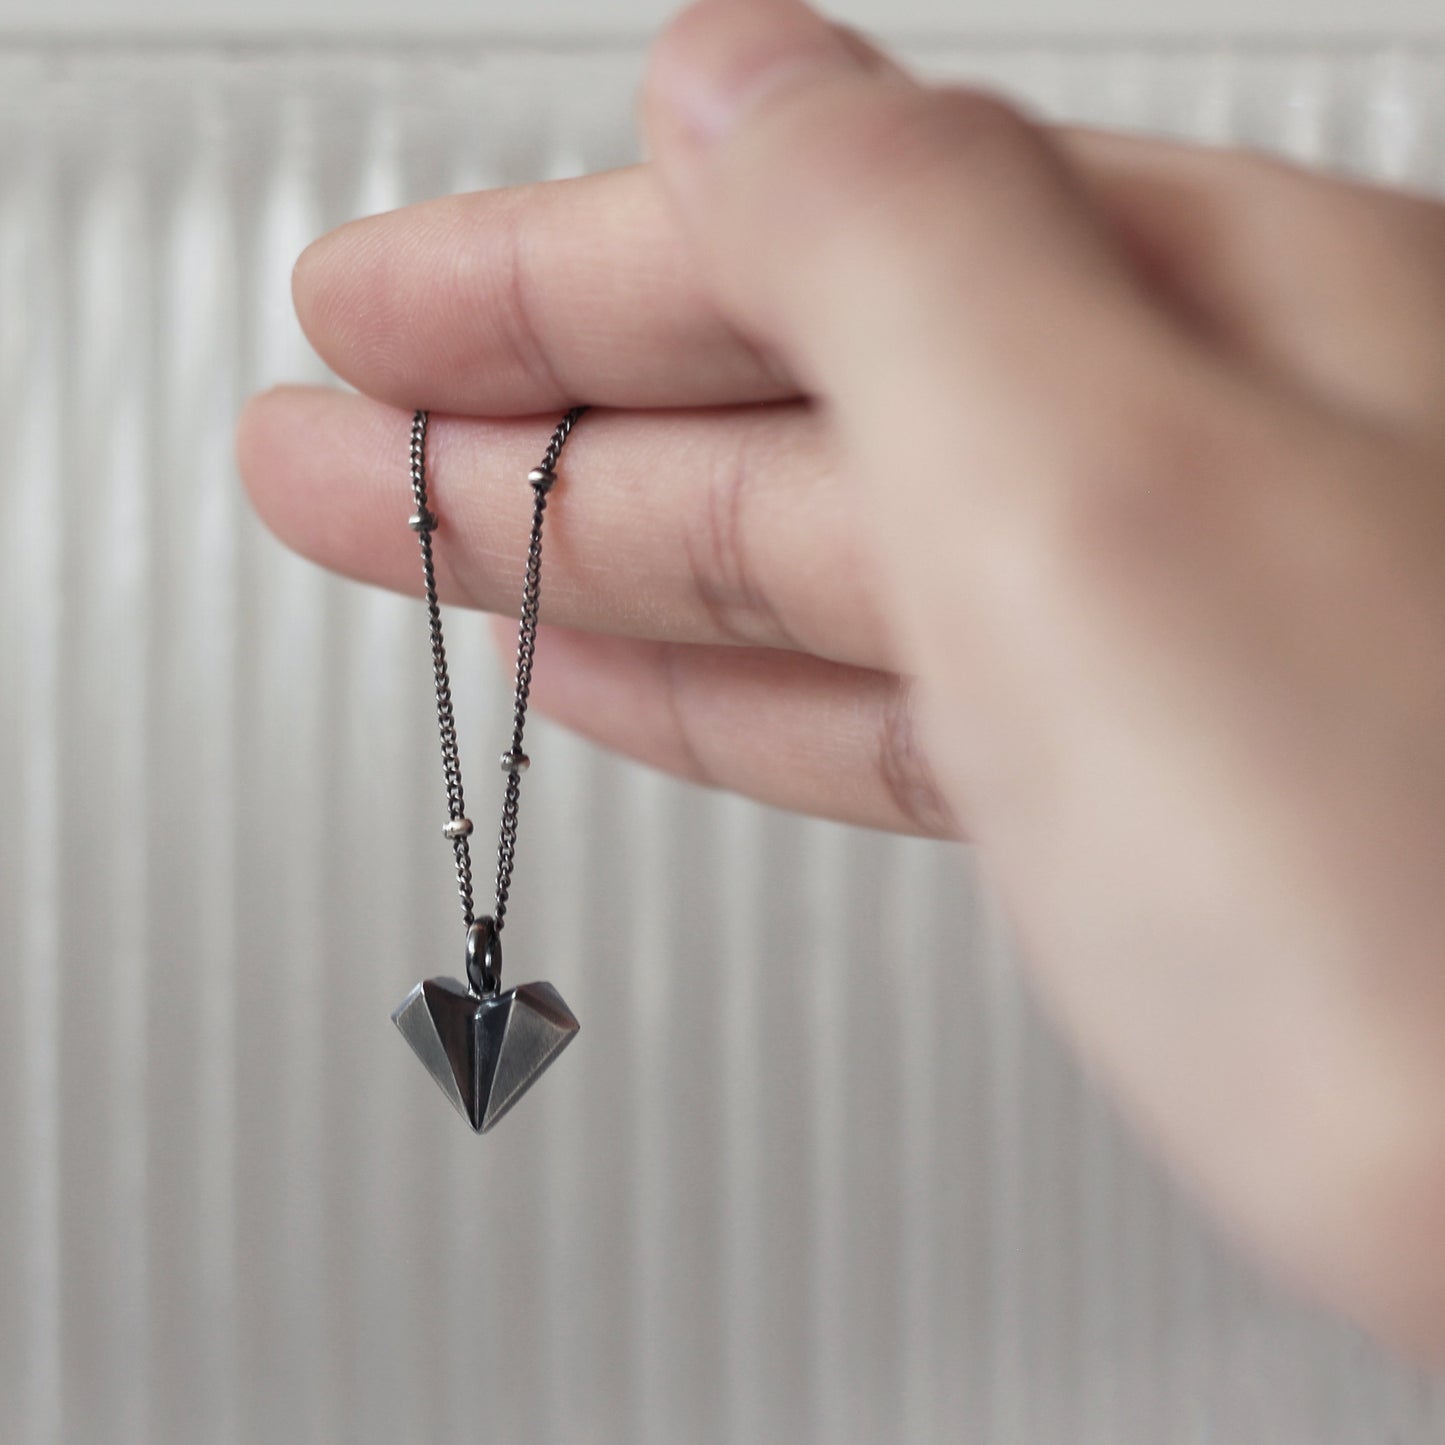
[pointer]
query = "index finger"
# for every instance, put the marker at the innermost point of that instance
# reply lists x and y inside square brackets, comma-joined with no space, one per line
[534,298]
[527,299]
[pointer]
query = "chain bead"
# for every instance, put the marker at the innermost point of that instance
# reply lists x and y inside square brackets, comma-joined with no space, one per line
[514,761]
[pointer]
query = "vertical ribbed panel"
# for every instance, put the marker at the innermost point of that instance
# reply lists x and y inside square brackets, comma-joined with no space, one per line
[813,1171]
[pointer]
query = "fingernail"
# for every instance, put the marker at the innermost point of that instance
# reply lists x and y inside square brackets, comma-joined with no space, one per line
[723,58]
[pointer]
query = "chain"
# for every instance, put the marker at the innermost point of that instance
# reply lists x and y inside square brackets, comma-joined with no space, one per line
[514,761]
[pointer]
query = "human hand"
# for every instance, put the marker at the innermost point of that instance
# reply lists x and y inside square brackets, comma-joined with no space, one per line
[1131,454]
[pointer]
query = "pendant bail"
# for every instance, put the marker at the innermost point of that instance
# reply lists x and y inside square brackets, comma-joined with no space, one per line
[484,957]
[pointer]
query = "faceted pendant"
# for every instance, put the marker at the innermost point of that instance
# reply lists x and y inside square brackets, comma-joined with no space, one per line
[485,1052]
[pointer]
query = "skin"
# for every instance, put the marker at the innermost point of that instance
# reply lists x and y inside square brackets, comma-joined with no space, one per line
[955,473]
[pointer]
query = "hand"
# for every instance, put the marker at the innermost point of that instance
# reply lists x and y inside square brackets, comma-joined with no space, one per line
[1131,454]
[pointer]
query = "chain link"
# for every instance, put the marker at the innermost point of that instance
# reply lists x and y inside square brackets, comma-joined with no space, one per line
[514,762]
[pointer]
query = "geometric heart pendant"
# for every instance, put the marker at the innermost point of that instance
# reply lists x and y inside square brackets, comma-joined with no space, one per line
[487,1051]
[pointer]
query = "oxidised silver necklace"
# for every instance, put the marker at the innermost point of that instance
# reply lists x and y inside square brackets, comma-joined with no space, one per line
[484,1047]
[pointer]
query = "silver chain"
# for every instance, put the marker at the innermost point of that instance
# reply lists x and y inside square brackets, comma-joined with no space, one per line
[514,761]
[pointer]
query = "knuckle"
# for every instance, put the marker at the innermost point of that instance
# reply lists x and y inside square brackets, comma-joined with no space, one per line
[961,127]
[689,758]
[1128,497]
[857,163]
[1154,481]
[512,295]
[720,549]
[904,770]
[980,125]
[910,137]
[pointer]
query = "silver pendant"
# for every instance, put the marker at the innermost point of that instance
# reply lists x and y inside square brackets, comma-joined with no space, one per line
[484,1048]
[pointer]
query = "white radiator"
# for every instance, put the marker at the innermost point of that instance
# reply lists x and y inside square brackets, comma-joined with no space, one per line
[811,1172]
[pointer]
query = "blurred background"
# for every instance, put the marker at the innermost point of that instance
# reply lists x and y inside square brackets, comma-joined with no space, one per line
[813,1171]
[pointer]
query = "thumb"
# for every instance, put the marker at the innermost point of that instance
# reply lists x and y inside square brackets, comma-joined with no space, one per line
[857,221]
[927,264]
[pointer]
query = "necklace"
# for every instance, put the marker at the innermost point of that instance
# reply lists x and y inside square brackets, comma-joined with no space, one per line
[484,1047]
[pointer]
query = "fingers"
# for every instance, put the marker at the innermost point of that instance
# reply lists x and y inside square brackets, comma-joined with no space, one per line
[793,731]
[528,299]
[525,300]
[963,300]
[944,231]
[719,525]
